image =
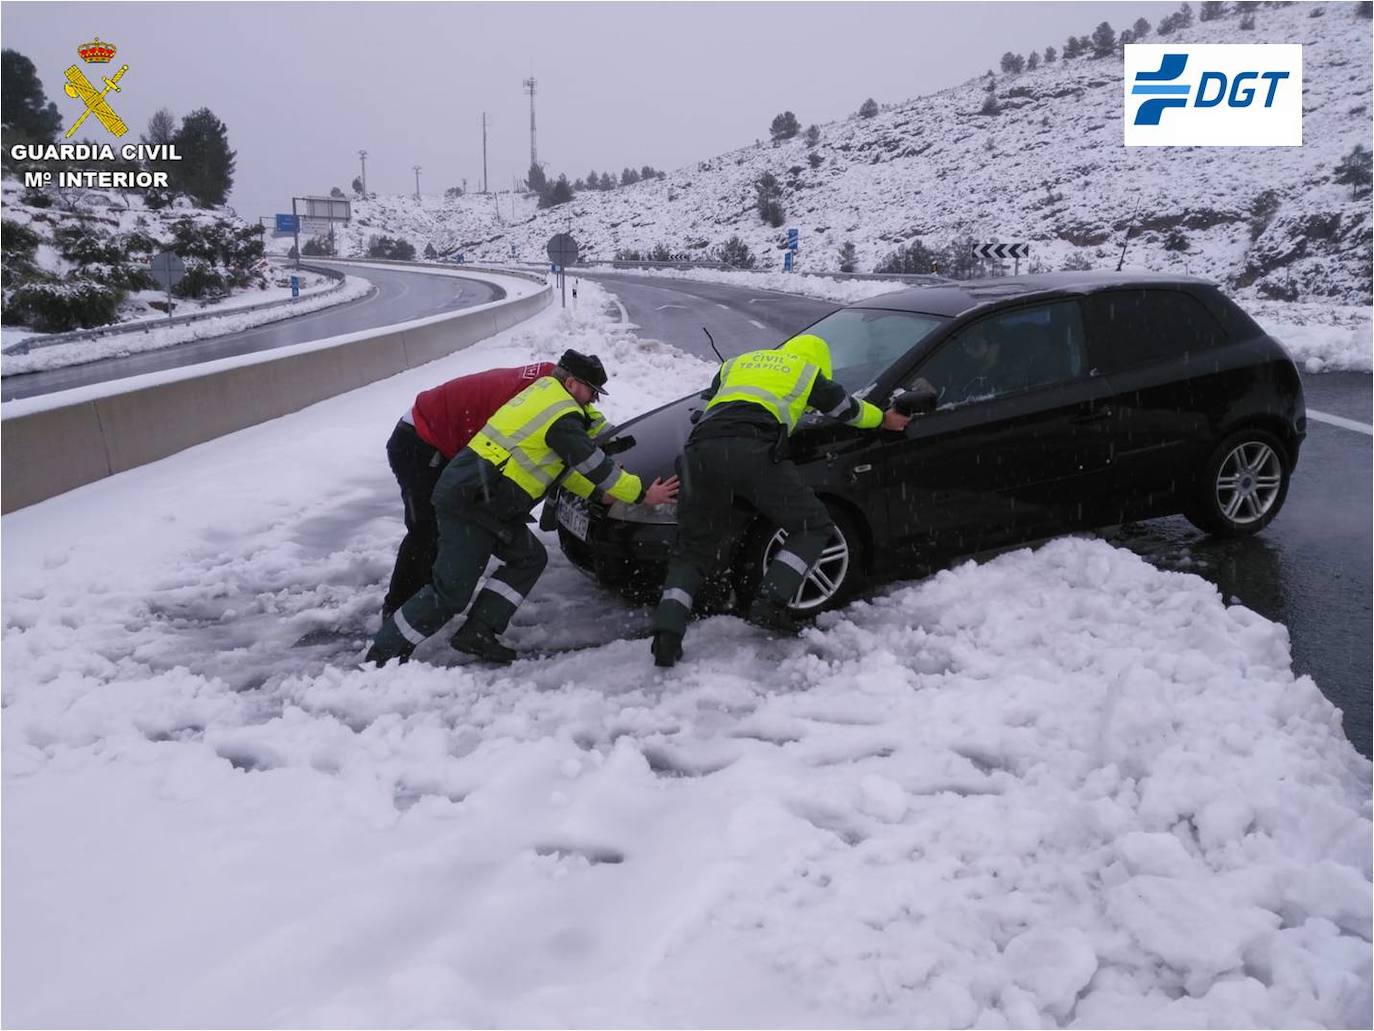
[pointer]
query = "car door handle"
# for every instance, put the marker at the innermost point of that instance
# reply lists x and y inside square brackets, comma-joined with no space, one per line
[1093,415]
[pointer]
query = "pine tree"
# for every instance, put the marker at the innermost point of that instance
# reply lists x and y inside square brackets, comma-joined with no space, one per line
[334,191]
[1032,61]
[1210,10]
[1051,55]
[161,128]
[735,253]
[1140,29]
[784,127]
[1185,16]
[848,257]
[606,182]
[535,179]
[357,186]
[1104,40]
[1354,169]
[647,172]
[27,114]
[628,177]
[1070,48]
[205,172]
[813,135]
[768,198]
[868,108]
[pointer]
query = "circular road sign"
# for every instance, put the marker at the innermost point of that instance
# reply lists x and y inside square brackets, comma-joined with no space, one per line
[168,269]
[563,250]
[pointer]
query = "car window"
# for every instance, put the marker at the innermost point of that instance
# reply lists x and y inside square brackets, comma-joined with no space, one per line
[1136,327]
[1007,353]
[864,342]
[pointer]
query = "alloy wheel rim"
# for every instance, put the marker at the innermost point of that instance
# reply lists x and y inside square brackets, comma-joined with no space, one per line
[1248,482]
[822,580]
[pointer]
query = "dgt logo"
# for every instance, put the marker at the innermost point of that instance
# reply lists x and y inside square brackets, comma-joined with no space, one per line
[1213,95]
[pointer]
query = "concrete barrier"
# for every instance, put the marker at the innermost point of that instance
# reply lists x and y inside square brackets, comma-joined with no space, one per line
[50,450]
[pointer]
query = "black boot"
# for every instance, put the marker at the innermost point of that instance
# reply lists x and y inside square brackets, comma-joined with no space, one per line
[379,659]
[479,640]
[667,648]
[770,615]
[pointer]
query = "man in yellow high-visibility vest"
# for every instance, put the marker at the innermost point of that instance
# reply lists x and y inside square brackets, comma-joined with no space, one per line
[483,500]
[738,450]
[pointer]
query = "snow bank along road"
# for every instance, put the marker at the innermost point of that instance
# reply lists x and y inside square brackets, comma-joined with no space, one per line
[1061,786]
[1310,570]
[401,295]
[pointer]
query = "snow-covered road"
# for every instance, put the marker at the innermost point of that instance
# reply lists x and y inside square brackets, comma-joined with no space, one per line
[1058,787]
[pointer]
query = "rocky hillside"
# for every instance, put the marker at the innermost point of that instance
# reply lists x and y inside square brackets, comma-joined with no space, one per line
[1048,168]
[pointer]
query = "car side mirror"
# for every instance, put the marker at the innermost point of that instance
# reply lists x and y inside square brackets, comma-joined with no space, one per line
[919,400]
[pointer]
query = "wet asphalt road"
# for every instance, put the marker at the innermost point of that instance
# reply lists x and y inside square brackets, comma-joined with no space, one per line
[1309,570]
[399,297]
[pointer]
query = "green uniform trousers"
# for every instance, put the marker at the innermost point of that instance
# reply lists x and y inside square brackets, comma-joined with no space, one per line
[464,550]
[715,472]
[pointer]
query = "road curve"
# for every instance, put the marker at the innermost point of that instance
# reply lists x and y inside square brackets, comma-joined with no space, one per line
[401,295]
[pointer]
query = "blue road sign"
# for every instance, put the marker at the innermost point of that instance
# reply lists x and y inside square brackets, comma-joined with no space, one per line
[787,261]
[295,286]
[791,239]
[287,223]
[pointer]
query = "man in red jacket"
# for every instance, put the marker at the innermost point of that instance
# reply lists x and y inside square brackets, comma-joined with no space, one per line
[437,427]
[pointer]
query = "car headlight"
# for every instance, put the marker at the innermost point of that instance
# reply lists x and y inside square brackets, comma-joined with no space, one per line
[665,514]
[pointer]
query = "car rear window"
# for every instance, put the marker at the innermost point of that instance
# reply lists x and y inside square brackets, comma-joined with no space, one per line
[864,342]
[1128,328]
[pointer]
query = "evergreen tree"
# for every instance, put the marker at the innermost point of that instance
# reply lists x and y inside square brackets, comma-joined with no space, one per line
[535,179]
[769,199]
[628,177]
[606,182]
[1185,15]
[848,257]
[990,105]
[593,181]
[430,252]
[1354,169]
[1210,10]
[1013,63]
[814,160]
[1125,39]
[205,172]
[647,172]
[784,127]
[1104,40]
[1140,29]
[28,116]
[556,193]
[1051,55]
[162,127]
[735,253]
[1032,61]
[868,108]
[334,191]
[357,186]
[813,135]
[1070,48]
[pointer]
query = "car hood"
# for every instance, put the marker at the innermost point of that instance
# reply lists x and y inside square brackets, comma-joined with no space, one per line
[659,437]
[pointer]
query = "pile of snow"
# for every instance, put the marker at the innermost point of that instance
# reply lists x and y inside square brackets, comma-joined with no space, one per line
[1059,787]
[317,292]
[1049,170]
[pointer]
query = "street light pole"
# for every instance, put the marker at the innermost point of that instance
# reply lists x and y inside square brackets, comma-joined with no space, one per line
[362,156]
[417,181]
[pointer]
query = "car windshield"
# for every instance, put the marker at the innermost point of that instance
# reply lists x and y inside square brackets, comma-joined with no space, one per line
[865,341]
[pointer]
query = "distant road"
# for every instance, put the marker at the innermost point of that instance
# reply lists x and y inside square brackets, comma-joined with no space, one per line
[400,296]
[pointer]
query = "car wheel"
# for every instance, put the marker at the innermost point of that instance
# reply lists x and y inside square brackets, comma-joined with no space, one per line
[1243,485]
[832,581]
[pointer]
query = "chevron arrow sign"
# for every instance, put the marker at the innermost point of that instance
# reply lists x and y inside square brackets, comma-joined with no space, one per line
[1001,250]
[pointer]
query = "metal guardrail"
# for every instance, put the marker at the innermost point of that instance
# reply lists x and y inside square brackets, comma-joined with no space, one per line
[146,325]
[913,278]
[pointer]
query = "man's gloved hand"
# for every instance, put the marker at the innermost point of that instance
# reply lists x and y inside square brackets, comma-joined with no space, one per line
[661,491]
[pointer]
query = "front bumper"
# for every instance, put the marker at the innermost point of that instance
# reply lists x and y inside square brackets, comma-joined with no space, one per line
[620,554]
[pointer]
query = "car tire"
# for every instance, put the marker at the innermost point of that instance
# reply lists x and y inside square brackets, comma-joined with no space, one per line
[1243,485]
[835,579]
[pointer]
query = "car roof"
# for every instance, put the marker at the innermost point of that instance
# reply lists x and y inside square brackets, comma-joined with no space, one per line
[955,297]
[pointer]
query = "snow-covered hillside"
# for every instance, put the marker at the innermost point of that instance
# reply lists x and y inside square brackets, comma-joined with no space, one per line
[1050,169]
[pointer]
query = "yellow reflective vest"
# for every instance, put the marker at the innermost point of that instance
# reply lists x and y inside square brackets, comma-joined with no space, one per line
[781,381]
[514,441]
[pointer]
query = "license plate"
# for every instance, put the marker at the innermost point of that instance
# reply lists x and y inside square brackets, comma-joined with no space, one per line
[574,514]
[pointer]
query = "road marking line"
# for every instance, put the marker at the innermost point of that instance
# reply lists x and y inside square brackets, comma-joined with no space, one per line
[624,315]
[723,307]
[756,322]
[1345,424]
[665,307]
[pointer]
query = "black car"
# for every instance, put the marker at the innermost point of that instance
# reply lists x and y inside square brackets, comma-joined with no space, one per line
[1063,402]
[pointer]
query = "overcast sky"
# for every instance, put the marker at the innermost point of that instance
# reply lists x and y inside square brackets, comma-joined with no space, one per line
[302,87]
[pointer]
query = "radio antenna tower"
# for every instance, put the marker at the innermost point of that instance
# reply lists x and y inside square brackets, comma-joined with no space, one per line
[534,153]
